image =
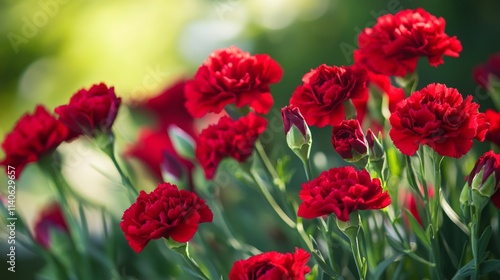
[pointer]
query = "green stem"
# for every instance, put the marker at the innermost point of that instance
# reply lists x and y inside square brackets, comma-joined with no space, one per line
[357,256]
[77,237]
[269,166]
[109,149]
[194,266]
[307,168]
[474,240]
[435,215]
[270,198]
[303,234]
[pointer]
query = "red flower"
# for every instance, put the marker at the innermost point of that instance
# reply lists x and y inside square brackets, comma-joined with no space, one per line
[483,72]
[165,212]
[437,116]
[168,108]
[32,137]
[228,138]
[493,134]
[341,191]
[51,218]
[150,149]
[486,166]
[383,84]
[393,46]
[90,111]
[272,265]
[232,76]
[325,89]
[349,141]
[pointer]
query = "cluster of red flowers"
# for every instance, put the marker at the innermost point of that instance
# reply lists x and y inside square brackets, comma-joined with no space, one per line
[35,135]
[335,96]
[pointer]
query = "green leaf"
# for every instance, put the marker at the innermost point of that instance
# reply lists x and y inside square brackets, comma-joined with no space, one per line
[381,267]
[464,271]
[484,240]
[417,229]
[313,274]
[489,266]
[323,265]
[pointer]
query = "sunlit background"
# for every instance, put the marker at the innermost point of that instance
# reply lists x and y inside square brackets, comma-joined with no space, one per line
[51,48]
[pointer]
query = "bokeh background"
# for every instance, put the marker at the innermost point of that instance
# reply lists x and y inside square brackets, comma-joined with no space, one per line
[51,48]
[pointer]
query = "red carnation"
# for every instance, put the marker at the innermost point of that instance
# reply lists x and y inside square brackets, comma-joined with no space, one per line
[491,68]
[232,76]
[272,265]
[341,191]
[168,108]
[324,90]
[437,116]
[392,47]
[51,218]
[349,141]
[165,212]
[228,138]
[32,137]
[90,111]
[493,134]
[150,149]
[383,84]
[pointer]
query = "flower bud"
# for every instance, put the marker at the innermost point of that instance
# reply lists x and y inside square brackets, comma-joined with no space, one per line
[376,149]
[484,178]
[349,142]
[172,169]
[183,142]
[298,135]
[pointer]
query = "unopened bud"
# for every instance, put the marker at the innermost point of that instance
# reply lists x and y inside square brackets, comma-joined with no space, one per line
[298,135]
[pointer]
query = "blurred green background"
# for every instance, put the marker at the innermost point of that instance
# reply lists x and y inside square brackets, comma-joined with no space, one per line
[51,48]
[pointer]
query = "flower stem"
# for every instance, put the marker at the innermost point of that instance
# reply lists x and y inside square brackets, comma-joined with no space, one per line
[307,168]
[183,251]
[357,256]
[270,199]
[109,149]
[474,230]
[269,166]
[435,215]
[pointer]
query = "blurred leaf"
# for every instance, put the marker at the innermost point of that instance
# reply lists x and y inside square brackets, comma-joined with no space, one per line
[484,240]
[417,229]
[381,267]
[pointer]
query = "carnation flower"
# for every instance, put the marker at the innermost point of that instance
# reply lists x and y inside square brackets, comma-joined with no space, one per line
[232,76]
[493,134]
[168,108]
[166,212]
[383,84]
[490,69]
[228,138]
[33,136]
[437,116]
[272,265]
[392,47]
[51,218]
[348,140]
[90,111]
[325,90]
[341,191]
[150,149]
